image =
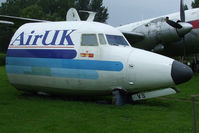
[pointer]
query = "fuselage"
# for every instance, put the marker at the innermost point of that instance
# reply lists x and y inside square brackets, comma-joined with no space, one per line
[191,39]
[83,58]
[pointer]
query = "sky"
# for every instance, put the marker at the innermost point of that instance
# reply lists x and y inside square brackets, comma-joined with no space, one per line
[127,11]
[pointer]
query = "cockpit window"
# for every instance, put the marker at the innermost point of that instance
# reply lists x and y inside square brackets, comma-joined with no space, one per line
[101,39]
[89,40]
[116,40]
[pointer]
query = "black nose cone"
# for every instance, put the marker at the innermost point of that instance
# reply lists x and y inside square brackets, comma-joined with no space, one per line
[180,72]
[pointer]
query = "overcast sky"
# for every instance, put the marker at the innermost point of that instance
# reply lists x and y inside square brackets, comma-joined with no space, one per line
[126,11]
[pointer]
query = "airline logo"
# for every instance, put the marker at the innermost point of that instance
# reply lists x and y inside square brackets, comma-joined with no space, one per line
[90,55]
[48,38]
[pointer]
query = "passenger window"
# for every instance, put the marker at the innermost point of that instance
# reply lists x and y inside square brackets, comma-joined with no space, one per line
[101,39]
[89,40]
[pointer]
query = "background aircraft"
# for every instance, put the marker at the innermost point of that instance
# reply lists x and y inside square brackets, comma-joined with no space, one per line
[172,35]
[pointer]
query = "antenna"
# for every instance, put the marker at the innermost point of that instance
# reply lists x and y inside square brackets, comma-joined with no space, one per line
[91,16]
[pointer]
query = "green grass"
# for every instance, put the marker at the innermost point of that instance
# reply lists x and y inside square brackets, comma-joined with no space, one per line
[189,88]
[36,114]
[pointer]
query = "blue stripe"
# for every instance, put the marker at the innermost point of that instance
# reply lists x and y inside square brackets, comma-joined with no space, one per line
[43,53]
[17,69]
[73,73]
[53,72]
[66,63]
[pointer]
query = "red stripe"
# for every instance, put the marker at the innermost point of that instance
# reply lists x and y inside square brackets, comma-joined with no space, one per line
[91,55]
[195,24]
[83,54]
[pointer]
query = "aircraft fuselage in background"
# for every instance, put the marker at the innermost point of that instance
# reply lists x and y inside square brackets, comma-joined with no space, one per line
[163,39]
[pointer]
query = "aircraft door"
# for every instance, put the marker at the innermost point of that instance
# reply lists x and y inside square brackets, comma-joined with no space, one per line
[131,73]
[89,47]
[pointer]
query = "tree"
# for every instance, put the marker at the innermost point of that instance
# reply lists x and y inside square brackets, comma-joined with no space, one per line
[29,12]
[5,37]
[95,6]
[53,10]
[40,9]
[102,12]
[186,7]
[195,4]
[13,7]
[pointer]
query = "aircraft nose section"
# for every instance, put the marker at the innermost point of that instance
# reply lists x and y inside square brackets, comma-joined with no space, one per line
[180,72]
[186,28]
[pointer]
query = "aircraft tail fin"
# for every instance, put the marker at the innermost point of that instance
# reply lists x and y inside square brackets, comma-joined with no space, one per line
[72,15]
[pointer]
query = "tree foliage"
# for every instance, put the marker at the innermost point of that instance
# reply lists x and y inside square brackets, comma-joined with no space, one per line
[186,7]
[195,4]
[102,12]
[95,6]
[53,10]
[5,35]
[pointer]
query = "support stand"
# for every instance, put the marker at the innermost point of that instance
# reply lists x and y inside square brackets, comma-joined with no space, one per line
[120,97]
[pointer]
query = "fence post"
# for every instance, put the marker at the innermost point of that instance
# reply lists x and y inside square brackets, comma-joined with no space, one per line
[194,112]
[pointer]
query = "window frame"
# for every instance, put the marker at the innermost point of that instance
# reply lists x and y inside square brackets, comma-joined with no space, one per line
[105,41]
[117,36]
[89,34]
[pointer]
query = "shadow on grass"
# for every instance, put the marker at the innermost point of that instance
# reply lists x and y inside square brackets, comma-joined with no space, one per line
[94,99]
[154,103]
[91,99]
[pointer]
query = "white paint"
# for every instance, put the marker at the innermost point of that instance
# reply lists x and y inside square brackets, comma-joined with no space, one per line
[153,94]
[146,70]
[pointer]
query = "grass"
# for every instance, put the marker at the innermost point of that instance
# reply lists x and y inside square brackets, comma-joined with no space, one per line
[36,114]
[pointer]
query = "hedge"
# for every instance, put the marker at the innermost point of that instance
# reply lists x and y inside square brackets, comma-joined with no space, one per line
[2,59]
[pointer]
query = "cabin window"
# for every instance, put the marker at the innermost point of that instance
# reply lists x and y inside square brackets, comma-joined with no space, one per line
[116,40]
[101,39]
[89,40]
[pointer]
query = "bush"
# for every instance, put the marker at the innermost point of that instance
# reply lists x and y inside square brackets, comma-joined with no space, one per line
[2,59]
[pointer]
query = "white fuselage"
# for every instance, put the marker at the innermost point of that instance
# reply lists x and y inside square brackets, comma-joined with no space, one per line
[54,57]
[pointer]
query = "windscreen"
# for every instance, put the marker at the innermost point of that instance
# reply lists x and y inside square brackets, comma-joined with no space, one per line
[116,40]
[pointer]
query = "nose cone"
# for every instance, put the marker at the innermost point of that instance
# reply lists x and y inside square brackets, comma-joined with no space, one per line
[186,28]
[180,72]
